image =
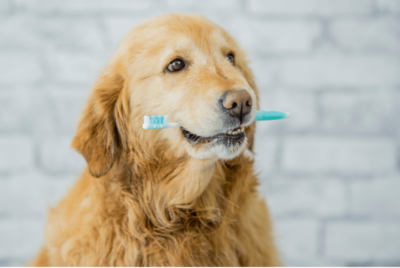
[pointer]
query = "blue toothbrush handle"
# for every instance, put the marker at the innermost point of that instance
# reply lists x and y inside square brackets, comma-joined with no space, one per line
[270,115]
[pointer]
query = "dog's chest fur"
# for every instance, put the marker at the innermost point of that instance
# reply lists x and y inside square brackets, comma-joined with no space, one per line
[107,222]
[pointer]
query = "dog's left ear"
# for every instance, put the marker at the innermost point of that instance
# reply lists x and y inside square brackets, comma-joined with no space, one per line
[102,131]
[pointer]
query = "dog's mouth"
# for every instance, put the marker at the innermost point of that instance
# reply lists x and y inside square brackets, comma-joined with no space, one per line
[228,138]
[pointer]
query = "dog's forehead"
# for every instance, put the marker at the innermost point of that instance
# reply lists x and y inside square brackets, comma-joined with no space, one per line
[212,39]
[182,32]
[213,42]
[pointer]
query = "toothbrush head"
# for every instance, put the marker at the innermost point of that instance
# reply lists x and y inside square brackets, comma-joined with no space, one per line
[155,122]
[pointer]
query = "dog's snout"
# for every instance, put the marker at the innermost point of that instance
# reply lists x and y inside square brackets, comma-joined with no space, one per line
[237,102]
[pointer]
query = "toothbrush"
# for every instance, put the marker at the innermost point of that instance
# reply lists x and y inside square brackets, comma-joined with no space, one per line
[161,121]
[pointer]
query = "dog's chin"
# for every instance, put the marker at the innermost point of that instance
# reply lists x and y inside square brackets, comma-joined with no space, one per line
[226,145]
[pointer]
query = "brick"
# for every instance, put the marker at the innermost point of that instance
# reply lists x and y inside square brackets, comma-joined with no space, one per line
[322,197]
[19,67]
[209,5]
[16,154]
[35,203]
[297,238]
[363,241]
[78,67]
[74,34]
[271,37]
[11,263]
[21,238]
[28,32]
[57,156]
[329,70]
[392,6]
[4,5]
[265,73]
[15,112]
[265,148]
[339,155]
[83,6]
[19,32]
[361,112]
[310,7]
[117,28]
[378,34]
[302,106]
[58,112]
[379,197]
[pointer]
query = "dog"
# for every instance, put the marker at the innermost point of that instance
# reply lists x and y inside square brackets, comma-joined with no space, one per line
[184,196]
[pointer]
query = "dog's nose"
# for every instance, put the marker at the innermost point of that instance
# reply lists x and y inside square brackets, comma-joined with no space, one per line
[237,103]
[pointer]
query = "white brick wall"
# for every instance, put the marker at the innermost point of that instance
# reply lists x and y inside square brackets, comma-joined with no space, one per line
[265,38]
[20,67]
[341,155]
[389,6]
[336,70]
[302,249]
[310,7]
[16,154]
[330,173]
[358,241]
[57,156]
[377,197]
[323,197]
[366,34]
[374,113]
[4,6]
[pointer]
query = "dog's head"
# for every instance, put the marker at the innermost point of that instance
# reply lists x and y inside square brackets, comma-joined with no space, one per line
[182,66]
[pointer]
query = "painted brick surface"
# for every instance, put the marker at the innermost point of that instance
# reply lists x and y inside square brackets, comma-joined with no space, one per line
[302,106]
[4,5]
[21,67]
[370,35]
[57,156]
[389,6]
[224,5]
[336,70]
[330,173]
[83,6]
[310,7]
[21,239]
[373,113]
[59,111]
[363,241]
[321,197]
[351,155]
[264,38]
[15,111]
[305,245]
[30,196]
[16,154]
[376,197]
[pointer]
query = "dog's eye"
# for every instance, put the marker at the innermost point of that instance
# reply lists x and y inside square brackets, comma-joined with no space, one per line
[176,65]
[231,58]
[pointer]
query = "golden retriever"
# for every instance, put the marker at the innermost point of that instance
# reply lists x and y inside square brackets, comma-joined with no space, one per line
[184,196]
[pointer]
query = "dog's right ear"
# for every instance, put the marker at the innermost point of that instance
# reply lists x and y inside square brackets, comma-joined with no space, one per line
[102,131]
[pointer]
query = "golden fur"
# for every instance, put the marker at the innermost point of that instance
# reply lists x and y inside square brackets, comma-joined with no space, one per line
[149,197]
